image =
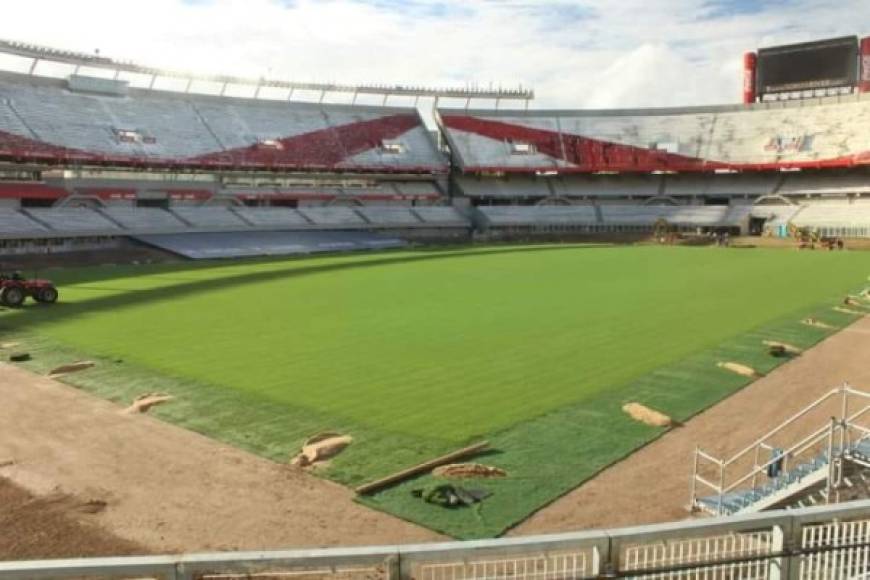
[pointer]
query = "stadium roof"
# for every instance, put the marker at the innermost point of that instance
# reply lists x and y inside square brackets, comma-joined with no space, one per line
[79,59]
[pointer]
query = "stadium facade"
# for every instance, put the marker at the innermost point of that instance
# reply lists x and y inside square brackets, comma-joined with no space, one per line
[90,161]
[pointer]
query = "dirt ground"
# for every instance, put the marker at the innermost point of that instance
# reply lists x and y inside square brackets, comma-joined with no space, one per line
[652,485]
[166,488]
[78,477]
[56,525]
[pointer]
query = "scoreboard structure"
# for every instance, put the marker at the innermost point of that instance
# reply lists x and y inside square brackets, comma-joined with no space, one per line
[796,69]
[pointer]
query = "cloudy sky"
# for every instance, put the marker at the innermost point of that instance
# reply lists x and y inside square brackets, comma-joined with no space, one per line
[574,53]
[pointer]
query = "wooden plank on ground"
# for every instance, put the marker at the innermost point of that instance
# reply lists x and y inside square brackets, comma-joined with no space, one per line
[421,468]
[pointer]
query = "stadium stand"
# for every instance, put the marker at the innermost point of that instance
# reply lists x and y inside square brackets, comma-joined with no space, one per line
[833,215]
[143,218]
[272,193]
[607,186]
[511,188]
[398,216]
[244,244]
[814,133]
[208,217]
[316,166]
[13,222]
[332,216]
[686,216]
[419,189]
[72,219]
[616,217]
[277,217]
[118,220]
[721,185]
[538,215]
[40,120]
[441,215]
[837,185]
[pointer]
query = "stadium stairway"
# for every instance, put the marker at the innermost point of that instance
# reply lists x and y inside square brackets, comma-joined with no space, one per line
[818,457]
[786,485]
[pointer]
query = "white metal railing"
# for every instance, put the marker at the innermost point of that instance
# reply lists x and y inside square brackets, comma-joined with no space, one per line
[834,436]
[820,542]
[693,551]
[851,560]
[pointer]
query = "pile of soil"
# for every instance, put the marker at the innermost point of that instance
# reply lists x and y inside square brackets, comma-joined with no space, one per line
[71,368]
[143,403]
[647,416]
[466,470]
[740,369]
[321,447]
[54,527]
[817,323]
[786,347]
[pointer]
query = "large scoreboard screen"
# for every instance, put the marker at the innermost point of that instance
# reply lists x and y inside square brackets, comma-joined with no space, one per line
[811,65]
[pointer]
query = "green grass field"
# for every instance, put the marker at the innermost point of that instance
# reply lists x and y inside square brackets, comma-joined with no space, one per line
[417,353]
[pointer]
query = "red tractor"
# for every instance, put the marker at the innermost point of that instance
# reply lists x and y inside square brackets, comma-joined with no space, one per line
[15,289]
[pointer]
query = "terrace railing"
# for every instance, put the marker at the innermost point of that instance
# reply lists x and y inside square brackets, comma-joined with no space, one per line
[820,542]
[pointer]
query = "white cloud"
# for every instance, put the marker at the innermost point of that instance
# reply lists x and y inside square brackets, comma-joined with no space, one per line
[583,53]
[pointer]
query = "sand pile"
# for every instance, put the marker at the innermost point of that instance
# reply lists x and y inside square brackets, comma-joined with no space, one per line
[71,368]
[647,416]
[321,447]
[462,470]
[740,369]
[817,323]
[143,403]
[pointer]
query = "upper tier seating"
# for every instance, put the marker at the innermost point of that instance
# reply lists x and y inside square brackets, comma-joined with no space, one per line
[809,133]
[15,222]
[73,219]
[209,217]
[40,119]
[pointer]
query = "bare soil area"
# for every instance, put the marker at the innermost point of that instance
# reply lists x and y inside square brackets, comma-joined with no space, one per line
[161,487]
[652,485]
[54,526]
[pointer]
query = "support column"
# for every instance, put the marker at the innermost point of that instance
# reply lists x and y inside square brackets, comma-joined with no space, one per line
[750,67]
[864,78]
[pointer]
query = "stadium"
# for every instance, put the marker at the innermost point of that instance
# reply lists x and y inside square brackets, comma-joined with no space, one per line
[408,347]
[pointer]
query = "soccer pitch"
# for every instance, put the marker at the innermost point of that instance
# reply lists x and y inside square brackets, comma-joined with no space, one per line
[417,353]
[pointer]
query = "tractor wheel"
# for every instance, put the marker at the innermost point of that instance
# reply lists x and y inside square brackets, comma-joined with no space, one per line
[13,296]
[47,295]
